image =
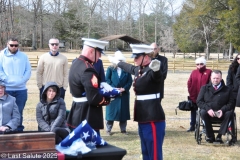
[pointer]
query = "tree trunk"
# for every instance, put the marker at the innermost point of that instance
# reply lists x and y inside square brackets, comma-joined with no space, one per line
[41,26]
[207,51]
[230,51]
[155,28]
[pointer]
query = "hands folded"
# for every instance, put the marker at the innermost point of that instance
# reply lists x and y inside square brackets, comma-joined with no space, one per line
[217,114]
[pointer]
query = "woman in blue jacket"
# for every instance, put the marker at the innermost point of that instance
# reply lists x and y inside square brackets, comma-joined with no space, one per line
[118,109]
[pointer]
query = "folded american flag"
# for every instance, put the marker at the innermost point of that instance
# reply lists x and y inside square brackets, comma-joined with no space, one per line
[111,94]
[86,133]
[114,93]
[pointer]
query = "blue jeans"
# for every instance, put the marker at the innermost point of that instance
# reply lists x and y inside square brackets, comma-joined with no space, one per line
[21,98]
[152,136]
[62,92]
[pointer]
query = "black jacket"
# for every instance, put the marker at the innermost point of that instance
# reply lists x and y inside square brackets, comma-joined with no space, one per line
[233,82]
[146,82]
[164,70]
[220,99]
[84,78]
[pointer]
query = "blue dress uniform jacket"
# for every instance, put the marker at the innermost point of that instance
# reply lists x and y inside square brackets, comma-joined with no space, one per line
[164,70]
[146,82]
[118,109]
[148,112]
[84,78]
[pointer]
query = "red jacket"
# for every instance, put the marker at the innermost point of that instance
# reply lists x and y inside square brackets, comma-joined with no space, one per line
[197,79]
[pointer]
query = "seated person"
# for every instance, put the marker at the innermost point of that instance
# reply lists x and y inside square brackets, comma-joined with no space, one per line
[9,113]
[51,112]
[215,97]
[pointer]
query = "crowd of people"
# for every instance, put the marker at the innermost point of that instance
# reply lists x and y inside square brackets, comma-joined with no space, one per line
[86,77]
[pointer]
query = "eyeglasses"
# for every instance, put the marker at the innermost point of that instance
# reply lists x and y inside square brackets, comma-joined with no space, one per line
[238,58]
[155,48]
[52,44]
[13,45]
[199,64]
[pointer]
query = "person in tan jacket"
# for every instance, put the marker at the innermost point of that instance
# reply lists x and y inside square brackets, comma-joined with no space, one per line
[53,66]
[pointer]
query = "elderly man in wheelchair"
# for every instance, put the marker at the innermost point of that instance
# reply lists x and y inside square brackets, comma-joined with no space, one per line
[216,104]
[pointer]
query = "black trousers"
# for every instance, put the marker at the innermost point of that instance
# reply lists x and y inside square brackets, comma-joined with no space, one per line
[60,134]
[208,122]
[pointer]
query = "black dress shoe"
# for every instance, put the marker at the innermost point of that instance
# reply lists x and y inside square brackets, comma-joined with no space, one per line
[124,132]
[191,129]
[219,140]
[209,140]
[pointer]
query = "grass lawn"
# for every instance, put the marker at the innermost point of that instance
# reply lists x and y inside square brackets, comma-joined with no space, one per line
[178,144]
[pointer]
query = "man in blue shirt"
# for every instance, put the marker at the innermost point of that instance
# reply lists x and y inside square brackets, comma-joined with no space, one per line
[15,71]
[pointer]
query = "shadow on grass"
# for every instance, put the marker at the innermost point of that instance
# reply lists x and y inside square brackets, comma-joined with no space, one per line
[117,136]
[184,137]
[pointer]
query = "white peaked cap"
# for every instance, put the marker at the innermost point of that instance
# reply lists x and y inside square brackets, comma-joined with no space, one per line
[140,49]
[120,56]
[98,44]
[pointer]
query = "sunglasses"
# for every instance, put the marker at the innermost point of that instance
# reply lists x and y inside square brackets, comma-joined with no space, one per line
[238,58]
[13,45]
[52,44]
[199,64]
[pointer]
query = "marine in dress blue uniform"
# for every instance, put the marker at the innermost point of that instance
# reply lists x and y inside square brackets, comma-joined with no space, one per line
[148,112]
[83,78]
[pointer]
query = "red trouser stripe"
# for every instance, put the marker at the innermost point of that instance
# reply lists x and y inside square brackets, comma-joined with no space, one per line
[60,156]
[154,140]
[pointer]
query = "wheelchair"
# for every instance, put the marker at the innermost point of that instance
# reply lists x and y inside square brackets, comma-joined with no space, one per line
[231,133]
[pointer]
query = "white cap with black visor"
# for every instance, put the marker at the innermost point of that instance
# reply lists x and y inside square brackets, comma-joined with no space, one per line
[140,49]
[96,44]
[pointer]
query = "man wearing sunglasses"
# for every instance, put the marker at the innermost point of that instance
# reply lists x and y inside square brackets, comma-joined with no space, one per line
[53,66]
[15,71]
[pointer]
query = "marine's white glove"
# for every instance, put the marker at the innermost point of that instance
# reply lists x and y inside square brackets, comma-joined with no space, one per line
[113,60]
[106,86]
[155,65]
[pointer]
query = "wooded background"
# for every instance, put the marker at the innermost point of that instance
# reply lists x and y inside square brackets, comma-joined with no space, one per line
[194,26]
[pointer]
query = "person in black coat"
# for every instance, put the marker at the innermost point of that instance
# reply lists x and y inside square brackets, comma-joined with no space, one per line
[163,67]
[233,77]
[215,101]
